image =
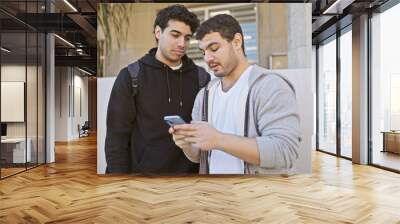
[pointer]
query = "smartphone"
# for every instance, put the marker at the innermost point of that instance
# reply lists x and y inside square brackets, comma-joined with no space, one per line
[174,120]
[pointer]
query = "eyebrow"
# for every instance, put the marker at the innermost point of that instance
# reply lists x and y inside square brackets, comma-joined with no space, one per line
[209,45]
[177,31]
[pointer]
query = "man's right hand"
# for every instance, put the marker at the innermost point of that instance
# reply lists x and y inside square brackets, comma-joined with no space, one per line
[192,153]
[179,139]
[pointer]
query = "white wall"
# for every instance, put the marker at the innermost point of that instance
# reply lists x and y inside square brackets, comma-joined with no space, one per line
[80,85]
[70,84]
[12,101]
[61,103]
[300,78]
[15,73]
[104,87]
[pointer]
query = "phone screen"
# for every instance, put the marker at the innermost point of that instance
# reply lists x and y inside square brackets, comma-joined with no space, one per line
[174,120]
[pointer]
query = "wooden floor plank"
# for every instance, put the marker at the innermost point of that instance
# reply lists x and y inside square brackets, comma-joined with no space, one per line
[70,191]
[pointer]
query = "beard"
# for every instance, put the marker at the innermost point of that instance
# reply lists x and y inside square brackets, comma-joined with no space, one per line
[226,66]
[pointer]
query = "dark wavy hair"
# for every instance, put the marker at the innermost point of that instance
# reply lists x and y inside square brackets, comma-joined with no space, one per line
[179,13]
[224,24]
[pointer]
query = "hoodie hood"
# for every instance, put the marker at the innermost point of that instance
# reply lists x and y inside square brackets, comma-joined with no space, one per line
[187,67]
[151,60]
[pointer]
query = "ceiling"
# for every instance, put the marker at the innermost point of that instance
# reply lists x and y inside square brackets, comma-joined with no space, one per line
[332,15]
[77,22]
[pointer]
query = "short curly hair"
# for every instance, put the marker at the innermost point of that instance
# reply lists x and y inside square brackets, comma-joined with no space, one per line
[179,13]
[226,25]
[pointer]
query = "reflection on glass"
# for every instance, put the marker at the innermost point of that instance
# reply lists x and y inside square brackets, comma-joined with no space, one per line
[346,94]
[386,87]
[22,91]
[327,97]
[31,101]
[13,85]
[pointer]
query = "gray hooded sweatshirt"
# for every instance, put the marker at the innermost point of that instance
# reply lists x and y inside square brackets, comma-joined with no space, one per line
[272,120]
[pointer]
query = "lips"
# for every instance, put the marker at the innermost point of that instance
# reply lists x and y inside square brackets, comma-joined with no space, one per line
[178,52]
[214,66]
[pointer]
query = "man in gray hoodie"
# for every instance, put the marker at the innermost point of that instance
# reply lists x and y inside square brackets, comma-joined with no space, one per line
[245,121]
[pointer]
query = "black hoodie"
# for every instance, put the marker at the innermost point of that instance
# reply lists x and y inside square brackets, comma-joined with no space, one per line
[137,138]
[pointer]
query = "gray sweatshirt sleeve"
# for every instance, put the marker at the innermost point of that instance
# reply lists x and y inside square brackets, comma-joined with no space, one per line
[277,122]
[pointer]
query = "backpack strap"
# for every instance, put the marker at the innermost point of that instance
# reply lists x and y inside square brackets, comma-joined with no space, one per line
[204,166]
[133,70]
[204,77]
[246,128]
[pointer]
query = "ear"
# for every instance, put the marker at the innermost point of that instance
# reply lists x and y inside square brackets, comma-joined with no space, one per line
[157,32]
[237,41]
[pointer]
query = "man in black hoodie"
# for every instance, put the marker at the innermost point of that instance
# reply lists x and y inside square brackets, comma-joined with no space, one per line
[137,138]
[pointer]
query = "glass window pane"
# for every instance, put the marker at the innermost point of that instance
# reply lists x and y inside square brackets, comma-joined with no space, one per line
[385,89]
[41,98]
[246,15]
[346,94]
[31,97]
[13,87]
[327,97]
[22,87]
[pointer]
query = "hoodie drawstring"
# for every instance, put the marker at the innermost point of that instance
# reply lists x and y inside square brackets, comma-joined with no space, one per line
[169,89]
[180,88]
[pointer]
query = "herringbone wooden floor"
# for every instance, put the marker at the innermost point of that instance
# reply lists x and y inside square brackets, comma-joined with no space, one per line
[69,191]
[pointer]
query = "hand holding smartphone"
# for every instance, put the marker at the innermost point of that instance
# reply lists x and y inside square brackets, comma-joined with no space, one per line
[174,120]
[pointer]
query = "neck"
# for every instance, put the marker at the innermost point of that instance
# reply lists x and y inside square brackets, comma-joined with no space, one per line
[160,57]
[229,80]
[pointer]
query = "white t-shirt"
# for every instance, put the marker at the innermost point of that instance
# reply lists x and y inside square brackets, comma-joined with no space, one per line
[176,67]
[225,114]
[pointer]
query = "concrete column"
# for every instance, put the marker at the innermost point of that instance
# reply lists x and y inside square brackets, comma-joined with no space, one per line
[360,90]
[299,40]
[272,34]
[50,99]
[50,92]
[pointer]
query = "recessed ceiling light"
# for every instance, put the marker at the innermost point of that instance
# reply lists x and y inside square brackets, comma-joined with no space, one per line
[337,7]
[65,41]
[86,72]
[70,5]
[5,50]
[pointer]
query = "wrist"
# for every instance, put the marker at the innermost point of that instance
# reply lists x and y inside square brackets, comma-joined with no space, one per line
[220,140]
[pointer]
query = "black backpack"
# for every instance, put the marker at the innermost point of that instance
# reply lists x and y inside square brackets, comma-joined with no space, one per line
[134,68]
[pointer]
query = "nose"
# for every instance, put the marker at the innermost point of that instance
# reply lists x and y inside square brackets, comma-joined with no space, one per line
[208,57]
[181,42]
